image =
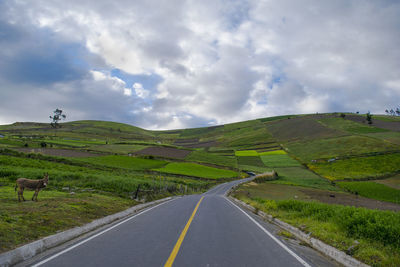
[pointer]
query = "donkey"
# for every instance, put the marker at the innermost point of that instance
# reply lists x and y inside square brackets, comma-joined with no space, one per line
[29,184]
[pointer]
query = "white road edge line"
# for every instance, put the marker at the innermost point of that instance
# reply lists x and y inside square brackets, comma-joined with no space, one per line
[96,235]
[303,262]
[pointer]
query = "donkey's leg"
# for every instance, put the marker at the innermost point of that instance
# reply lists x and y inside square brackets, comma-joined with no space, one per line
[19,194]
[22,194]
[35,195]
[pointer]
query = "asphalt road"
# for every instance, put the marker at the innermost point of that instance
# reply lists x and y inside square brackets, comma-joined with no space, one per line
[196,230]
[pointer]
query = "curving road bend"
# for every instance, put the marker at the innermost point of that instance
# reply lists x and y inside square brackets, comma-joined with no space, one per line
[195,230]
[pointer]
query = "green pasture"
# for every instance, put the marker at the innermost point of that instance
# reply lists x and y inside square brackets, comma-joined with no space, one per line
[300,176]
[387,118]
[112,179]
[393,182]
[359,168]
[279,160]
[24,222]
[212,158]
[125,162]
[250,161]
[392,137]
[351,126]
[339,146]
[246,153]
[117,148]
[196,170]
[274,152]
[256,169]
[372,190]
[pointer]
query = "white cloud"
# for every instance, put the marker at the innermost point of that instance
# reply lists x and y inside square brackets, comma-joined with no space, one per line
[140,91]
[223,61]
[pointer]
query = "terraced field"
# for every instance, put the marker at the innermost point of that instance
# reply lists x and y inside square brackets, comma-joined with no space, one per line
[322,158]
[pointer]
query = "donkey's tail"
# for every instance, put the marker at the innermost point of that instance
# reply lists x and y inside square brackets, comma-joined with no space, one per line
[15,187]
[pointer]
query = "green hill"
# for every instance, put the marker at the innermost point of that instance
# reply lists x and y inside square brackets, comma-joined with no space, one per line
[316,156]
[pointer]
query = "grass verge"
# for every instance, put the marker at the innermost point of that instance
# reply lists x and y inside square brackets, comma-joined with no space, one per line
[376,232]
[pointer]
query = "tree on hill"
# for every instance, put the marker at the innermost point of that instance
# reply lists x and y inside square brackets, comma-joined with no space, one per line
[58,116]
[369,118]
[393,112]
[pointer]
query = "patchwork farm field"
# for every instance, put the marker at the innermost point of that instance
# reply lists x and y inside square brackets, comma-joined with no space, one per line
[317,157]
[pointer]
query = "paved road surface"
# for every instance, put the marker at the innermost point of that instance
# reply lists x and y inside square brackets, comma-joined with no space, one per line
[216,233]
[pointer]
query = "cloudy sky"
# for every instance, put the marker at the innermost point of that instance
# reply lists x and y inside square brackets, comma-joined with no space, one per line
[176,64]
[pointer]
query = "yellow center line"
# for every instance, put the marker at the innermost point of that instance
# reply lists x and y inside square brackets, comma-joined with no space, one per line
[178,244]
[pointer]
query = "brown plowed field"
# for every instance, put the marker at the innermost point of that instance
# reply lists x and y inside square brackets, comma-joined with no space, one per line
[389,125]
[297,129]
[58,152]
[164,152]
[350,200]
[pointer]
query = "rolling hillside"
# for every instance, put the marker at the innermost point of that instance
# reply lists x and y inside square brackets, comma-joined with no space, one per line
[325,158]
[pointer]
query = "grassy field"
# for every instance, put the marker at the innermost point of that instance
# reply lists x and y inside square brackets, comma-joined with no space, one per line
[213,158]
[393,182]
[340,146]
[246,153]
[392,137]
[359,168]
[85,175]
[300,176]
[376,231]
[256,169]
[55,211]
[372,190]
[124,162]
[279,160]
[350,126]
[192,169]
[275,152]
[250,161]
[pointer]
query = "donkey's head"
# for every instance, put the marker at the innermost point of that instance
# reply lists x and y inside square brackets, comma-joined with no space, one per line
[45,179]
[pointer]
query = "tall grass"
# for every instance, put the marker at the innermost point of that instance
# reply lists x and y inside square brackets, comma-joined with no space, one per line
[383,226]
